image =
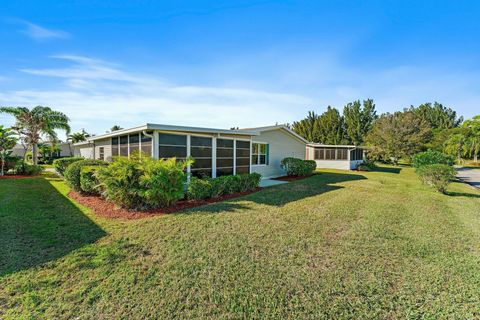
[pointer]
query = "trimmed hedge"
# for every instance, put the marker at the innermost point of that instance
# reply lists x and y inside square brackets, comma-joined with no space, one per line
[432,157]
[298,167]
[438,176]
[27,169]
[61,164]
[89,183]
[72,173]
[215,187]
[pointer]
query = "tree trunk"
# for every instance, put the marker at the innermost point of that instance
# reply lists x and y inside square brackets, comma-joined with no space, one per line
[35,153]
[3,165]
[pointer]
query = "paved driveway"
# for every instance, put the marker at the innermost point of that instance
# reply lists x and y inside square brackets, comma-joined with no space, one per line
[470,176]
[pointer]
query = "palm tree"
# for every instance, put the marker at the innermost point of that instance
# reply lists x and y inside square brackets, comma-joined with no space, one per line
[78,136]
[7,142]
[115,128]
[37,122]
[455,146]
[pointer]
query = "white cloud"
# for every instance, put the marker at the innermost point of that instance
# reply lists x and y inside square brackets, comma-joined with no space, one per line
[40,33]
[96,95]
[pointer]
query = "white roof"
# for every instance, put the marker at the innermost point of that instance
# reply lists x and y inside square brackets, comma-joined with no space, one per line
[276,127]
[333,145]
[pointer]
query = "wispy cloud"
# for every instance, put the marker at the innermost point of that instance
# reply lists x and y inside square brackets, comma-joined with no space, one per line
[40,33]
[96,94]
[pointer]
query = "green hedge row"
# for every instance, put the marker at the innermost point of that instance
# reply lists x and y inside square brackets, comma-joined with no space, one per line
[61,164]
[216,187]
[72,173]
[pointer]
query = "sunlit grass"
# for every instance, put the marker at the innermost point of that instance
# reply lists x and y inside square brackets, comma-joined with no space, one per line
[336,245]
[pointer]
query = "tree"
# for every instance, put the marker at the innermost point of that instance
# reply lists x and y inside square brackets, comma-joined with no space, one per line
[455,145]
[472,141]
[115,128]
[437,115]
[359,120]
[398,135]
[7,142]
[78,136]
[37,122]
[330,127]
[306,127]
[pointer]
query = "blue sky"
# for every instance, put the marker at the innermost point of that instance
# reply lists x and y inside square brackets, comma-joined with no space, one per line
[236,63]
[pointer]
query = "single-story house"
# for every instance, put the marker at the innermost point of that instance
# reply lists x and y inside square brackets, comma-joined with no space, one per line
[345,157]
[65,149]
[216,152]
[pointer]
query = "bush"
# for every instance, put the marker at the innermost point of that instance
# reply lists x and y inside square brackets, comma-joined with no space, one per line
[72,173]
[437,175]
[431,157]
[216,187]
[143,183]
[22,167]
[199,189]
[89,183]
[298,167]
[366,166]
[61,164]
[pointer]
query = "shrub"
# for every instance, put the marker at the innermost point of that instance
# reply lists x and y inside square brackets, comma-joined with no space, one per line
[88,181]
[298,167]
[199,189]
[72,173]
[61,164]
[143,183]
[437,175]
[431,157]
[22,167]
[216,187]
[366,166]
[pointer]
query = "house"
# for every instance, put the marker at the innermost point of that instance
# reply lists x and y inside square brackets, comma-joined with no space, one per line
[345,157]
[216,152]
[65,149]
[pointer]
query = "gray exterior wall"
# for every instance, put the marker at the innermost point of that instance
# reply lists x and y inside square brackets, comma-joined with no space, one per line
[107,148]
[85,151]
[281,145]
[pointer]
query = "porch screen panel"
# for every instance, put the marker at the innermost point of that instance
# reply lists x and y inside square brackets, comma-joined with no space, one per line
[201,151]
[134,143]
[124,146]
[242,157]
[115,147]
[224,157]
[172,145]
[319,154]
[146,144]
[342,154]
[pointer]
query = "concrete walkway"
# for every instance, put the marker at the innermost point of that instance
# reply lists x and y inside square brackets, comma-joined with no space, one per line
[470,176]
[270,182]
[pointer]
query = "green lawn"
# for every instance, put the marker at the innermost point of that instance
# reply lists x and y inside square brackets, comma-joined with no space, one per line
[336,245]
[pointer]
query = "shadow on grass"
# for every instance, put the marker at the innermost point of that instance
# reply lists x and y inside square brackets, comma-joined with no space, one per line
[285,193]
[462,194]
[38,224]
[387,169]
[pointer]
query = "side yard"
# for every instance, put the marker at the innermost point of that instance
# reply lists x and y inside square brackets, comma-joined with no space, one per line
[338,244]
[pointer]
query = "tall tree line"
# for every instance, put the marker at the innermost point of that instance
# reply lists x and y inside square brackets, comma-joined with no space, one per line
[331,127]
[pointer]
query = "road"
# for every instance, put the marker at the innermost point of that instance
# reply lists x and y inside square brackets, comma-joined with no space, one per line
[470,176]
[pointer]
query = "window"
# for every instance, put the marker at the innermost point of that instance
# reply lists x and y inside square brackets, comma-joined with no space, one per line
[342,154]
[319,154]
[201,151]
[356,154]
[242,157]
[124,146]
[260,154]
[146,143]
[101,153]
[134,143]
[115,147]
[224,157]
[172,145]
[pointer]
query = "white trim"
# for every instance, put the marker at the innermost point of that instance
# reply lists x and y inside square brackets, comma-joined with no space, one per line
[189,167]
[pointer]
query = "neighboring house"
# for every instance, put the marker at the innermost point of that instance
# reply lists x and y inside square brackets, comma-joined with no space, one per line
[216,152]
[345,157]
[66,150]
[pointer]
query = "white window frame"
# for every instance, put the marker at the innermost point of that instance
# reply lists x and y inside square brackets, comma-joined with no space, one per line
[258,155]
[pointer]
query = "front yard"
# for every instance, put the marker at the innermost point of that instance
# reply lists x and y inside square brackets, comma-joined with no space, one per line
[336,245]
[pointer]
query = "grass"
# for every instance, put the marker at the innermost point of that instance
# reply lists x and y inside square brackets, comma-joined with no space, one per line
[336,245]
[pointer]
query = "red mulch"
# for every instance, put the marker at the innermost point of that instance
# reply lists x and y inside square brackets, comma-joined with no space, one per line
[292,178]
[109,210]
[17,176]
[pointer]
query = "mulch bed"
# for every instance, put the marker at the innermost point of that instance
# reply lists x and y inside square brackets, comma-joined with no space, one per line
[109,210]
[292,178]
[18,176]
